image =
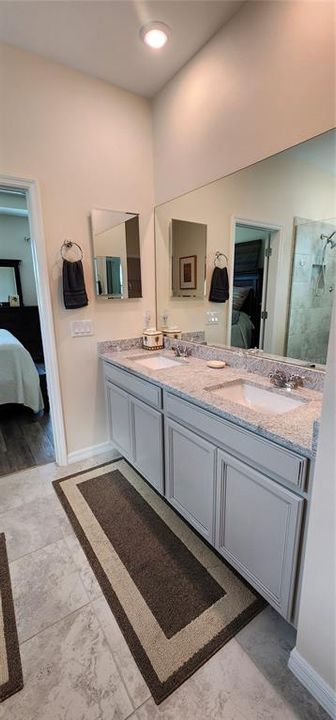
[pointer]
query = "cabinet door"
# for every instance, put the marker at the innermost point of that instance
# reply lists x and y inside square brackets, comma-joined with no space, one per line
[148,443]
[258,526]
[190,477]
[119,411]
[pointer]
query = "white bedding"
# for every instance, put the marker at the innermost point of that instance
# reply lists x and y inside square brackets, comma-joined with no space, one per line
[19,379]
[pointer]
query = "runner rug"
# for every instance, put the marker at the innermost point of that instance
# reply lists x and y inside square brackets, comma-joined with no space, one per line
[175,600]
[10,662]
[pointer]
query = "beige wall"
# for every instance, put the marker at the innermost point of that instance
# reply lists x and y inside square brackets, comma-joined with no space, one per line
[273,191]
[317,616]
[89,145]
[263,83]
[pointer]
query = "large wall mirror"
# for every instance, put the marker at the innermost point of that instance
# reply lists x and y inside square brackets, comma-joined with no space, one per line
[116,250]
[271,230]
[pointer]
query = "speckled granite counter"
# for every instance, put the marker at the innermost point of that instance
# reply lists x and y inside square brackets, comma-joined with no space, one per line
[189,380]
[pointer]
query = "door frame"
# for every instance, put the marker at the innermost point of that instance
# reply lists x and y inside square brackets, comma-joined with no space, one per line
[263,225]
[41,274]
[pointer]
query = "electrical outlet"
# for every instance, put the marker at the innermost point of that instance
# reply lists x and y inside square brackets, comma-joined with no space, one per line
[81,328]
[212,318]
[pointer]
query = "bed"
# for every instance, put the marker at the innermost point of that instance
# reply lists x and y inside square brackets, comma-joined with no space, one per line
[242,330]
[19,379]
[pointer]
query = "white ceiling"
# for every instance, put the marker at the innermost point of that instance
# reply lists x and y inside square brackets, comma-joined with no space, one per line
[101,37]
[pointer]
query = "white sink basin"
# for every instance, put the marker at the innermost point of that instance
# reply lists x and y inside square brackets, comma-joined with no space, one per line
[156,362]
[257,398]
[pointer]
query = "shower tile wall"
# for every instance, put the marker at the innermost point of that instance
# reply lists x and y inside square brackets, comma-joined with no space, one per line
[310,307]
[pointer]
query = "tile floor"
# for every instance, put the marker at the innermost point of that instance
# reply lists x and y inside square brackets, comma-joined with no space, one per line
[76,663]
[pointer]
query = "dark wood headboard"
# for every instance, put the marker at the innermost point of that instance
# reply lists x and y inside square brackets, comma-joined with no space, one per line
[24,324]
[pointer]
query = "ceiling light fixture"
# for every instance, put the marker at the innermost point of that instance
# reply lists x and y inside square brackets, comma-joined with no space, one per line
[155,34]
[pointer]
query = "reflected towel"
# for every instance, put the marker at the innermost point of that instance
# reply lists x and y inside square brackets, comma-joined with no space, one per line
[74,292]
[219,290]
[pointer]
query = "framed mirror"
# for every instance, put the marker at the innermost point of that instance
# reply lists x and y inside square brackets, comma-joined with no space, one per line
[188,259]
[116,254]
[274,223]
[10,281]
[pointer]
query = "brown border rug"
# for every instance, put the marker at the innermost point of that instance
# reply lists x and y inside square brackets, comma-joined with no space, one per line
[175,600]
[10,662]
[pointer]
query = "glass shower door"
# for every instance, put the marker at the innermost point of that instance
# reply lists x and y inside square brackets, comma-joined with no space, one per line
[312,291]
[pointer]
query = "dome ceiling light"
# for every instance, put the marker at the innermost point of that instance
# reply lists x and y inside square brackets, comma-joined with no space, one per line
[155,34]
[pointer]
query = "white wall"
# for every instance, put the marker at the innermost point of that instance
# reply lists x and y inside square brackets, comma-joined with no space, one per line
[317,617]
[265,82]
[88,144]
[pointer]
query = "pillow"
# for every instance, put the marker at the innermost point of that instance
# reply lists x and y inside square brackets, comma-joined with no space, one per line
[239,295]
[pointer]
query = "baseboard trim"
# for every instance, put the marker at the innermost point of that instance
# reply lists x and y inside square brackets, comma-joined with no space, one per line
[312,681]
[91,451]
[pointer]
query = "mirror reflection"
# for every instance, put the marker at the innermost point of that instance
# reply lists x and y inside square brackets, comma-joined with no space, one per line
[273,225]
[116,250]
[7,283]
[188,258]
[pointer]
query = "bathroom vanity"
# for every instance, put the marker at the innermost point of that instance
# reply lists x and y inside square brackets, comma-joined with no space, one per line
[240,475]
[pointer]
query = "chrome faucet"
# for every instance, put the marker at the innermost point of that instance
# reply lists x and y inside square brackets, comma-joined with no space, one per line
[181,352]
[281,380]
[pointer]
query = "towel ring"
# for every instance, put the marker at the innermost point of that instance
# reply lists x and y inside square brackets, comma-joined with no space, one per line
[67,245]
[219,255]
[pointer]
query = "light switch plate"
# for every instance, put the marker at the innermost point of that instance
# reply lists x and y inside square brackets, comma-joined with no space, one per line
[81,328]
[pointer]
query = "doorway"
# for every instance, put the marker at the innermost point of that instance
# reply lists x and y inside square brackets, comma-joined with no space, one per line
[31,416]
[255,252]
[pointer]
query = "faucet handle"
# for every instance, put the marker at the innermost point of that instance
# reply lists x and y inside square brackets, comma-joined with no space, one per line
[296,380]
[278,377]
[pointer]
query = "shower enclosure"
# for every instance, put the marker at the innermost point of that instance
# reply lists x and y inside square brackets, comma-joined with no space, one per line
[312,290]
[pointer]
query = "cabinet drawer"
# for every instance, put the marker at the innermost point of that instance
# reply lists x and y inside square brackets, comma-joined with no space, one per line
[277,462]
[142,389]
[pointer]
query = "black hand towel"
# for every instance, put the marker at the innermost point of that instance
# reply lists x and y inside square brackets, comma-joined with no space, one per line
[74,292]
[219,290]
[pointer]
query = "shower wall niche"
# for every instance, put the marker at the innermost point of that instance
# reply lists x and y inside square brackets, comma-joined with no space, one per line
[312,291]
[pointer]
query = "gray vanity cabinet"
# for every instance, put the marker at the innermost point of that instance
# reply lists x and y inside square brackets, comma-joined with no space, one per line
[191,477]
[148,443]
[119,412]
[136,431]
[257,529]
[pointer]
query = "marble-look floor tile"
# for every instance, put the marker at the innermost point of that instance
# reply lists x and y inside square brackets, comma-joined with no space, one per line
[86,573]
[227,686]
[268,640]
[18,488]
[33,525]
[135,683]
[69,674]
[46,587]
[189,707]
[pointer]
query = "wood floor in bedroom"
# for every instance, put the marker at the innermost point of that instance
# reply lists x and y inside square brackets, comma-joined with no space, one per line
[26,440]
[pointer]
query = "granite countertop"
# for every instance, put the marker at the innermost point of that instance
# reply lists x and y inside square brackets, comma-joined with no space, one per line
[189,380]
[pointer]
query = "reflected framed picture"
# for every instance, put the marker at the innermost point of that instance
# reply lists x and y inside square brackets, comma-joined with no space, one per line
[188,272]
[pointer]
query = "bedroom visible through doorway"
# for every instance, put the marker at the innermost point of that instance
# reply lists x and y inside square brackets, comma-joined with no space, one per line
[26,436]
[254,271]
